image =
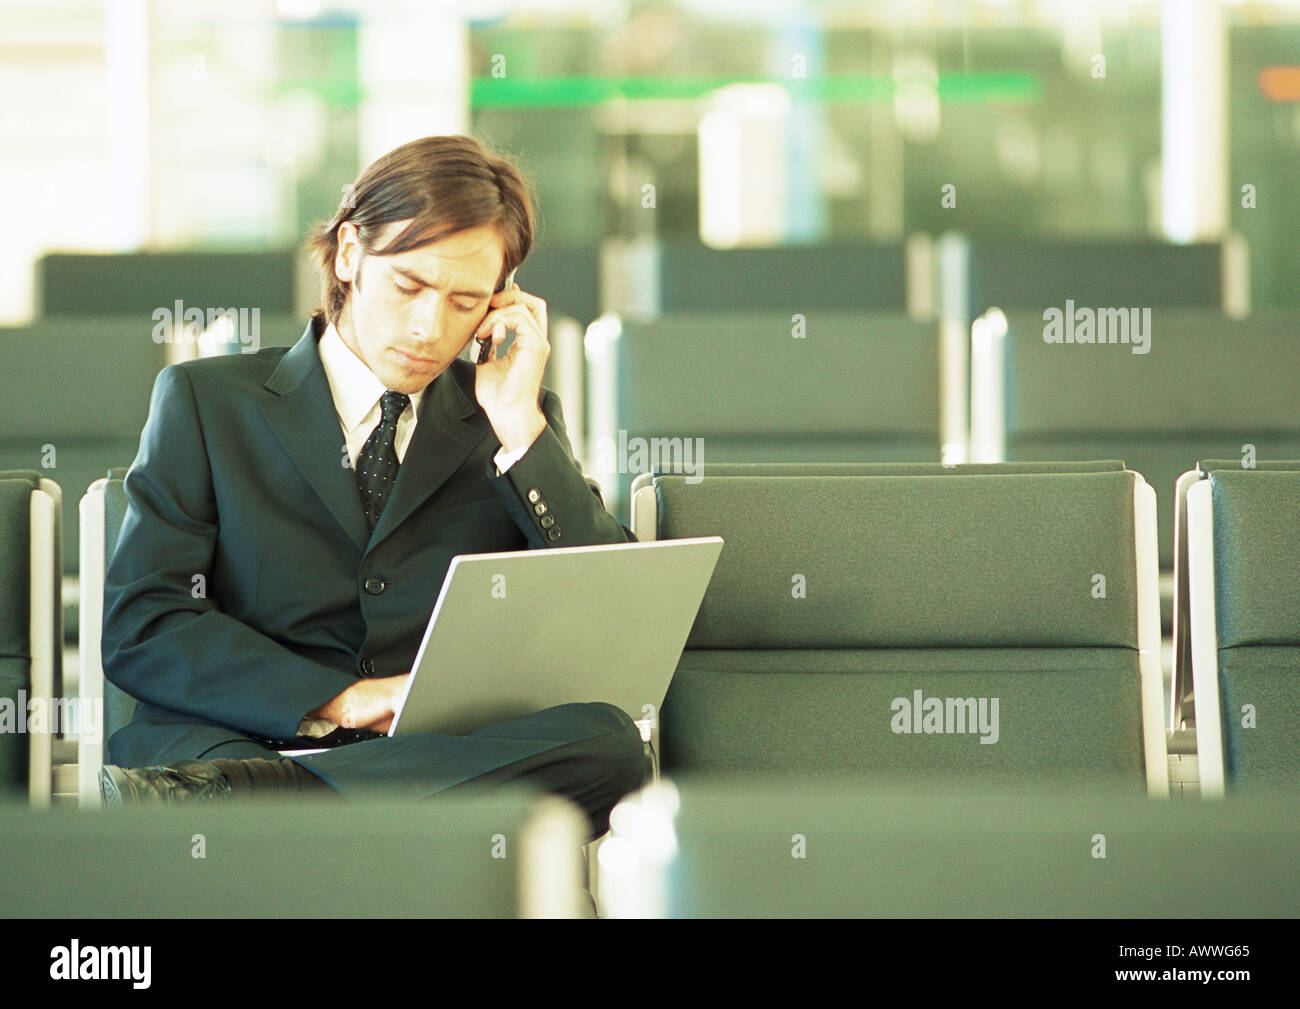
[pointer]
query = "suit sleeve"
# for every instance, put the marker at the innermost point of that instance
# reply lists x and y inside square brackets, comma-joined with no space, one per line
[165,642]
[548,496]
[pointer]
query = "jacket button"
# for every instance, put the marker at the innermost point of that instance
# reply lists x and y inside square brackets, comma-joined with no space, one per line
[375,585]
[553,533]
[548,521]
[540,507]
[368,666]
[534,494]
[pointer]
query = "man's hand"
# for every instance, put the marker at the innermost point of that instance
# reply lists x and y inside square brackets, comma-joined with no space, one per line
[508,387]
[367,704]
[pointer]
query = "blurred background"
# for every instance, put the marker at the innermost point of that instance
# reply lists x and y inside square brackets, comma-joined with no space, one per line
[169,125]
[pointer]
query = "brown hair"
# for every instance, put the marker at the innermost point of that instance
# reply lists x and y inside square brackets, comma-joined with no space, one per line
[442,185]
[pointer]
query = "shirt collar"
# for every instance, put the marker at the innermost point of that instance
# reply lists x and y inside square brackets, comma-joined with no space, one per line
[356,389]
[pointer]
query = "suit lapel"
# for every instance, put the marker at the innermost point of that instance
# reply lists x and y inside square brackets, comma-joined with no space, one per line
[303,417]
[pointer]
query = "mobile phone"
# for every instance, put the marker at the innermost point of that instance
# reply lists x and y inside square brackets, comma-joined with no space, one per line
[485,345]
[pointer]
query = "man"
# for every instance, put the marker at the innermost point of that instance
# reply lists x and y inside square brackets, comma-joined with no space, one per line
[291,515]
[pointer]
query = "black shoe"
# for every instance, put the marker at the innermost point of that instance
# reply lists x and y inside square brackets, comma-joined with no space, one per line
[184,781]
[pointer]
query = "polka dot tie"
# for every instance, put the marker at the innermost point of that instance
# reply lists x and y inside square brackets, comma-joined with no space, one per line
[377,462]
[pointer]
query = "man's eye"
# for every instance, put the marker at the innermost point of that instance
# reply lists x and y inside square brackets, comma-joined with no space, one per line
[406,290]
[462,308]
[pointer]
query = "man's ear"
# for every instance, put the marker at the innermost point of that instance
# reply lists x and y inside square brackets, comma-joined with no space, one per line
[347,256]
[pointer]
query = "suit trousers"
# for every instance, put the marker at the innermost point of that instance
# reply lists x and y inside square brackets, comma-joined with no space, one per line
[589,753]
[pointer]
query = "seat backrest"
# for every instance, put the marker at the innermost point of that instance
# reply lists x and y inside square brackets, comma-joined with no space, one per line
[452,856]
[756,387]
[843,276]
[909,468]
[872,848]
[1257,623]
[137,283]
[645,506]
[1017,274]
[80,394]
[1208,386]
[857,622]
[1181,694]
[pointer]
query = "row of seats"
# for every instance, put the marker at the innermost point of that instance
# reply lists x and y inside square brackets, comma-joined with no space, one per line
[875,387]
[956,276]
[792,848]
[830,387]
[843,589]
[988,620]
[690,848]
[915,378]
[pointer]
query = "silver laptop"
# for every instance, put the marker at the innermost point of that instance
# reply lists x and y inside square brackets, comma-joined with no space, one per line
[516,632]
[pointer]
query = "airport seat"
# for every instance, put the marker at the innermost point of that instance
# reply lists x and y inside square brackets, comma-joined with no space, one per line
[790,848]
[1208,386]
[1244,623]
[844,606]
[135,284]
[649,278]
[976,274]
[1182,713]
[65,415]
[506,854]
[31,635]
[743,387]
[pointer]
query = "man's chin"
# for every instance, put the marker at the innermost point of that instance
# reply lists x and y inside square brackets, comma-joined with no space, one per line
[410,376]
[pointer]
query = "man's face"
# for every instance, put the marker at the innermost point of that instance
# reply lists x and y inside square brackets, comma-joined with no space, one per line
[409,315]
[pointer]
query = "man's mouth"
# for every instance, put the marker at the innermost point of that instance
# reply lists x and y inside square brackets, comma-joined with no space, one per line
[414,359]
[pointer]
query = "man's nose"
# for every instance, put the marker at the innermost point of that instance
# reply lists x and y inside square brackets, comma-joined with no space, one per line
[424,316]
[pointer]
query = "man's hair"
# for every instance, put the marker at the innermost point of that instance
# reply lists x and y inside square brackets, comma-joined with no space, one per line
[442,185]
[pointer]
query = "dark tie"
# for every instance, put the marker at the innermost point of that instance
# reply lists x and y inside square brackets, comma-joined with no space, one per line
[377,461]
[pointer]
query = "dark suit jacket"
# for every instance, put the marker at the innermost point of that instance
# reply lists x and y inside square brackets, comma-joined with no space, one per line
[246,588]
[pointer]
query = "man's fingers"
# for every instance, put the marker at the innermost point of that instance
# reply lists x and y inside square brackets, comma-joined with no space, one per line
[496,329]
[368,701]
[535,306]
